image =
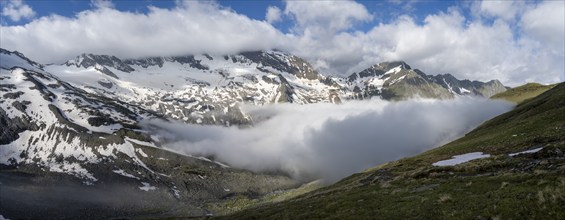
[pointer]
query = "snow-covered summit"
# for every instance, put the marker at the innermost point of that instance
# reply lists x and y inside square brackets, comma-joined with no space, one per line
[204,88]
[9,60]
[200,88]
[397,80]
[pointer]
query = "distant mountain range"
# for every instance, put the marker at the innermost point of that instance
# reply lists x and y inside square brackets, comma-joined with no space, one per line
[206,89]
[397,80]
[77,123]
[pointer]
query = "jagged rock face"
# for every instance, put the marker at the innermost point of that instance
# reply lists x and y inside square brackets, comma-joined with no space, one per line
[378,70]
[90,60]
[463,87]
[11,59]
[200,89]
[80,119]
[49,122]
[11,128]
[204,88]
[284,63]
[49,127]
[491,88]
[398,81]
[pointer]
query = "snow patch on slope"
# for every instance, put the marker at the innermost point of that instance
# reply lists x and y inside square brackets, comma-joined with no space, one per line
[124,173]
[147,187]
[57,145]
[526,152]
[459,159]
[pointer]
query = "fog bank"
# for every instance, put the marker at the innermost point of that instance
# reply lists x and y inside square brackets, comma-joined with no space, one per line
[331,141]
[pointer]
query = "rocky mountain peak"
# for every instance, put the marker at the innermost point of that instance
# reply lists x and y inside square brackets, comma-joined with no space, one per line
[380,69]
[397,80]
[386,66]
[91,60]
[283,62]
[468,87]
[12,59]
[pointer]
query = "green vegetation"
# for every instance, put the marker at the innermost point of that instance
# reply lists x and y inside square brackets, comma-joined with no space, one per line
[241,202]
[530,186]
[523,92]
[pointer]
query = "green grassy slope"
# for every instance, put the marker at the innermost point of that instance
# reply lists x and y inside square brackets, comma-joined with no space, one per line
[530,186]
[523,92]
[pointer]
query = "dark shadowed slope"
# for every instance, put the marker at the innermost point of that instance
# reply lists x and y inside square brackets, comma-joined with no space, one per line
[505,185]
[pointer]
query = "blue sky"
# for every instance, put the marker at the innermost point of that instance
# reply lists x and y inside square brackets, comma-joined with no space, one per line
[513,41]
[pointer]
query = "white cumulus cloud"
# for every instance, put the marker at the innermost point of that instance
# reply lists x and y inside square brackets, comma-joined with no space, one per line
[513,41]
[16,10]
[190,28]
[546,23]
[273,14]
[448,42]
[504,9]
[326,17]
[102,3]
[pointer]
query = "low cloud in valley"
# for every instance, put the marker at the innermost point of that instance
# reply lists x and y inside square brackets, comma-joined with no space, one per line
[330,141]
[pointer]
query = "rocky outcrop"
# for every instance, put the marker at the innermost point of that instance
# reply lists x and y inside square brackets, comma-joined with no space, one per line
[466,87]
[284,63]
[398,81]
[62,140]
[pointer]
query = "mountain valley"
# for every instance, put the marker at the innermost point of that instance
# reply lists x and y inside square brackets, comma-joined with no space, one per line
[76,127]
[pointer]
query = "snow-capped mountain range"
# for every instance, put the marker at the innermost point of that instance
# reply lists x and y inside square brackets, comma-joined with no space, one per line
[199,89]
[81,117]
[105,94]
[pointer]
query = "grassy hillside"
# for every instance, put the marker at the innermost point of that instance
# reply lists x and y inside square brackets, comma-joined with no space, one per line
[523,92]
[528,186]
